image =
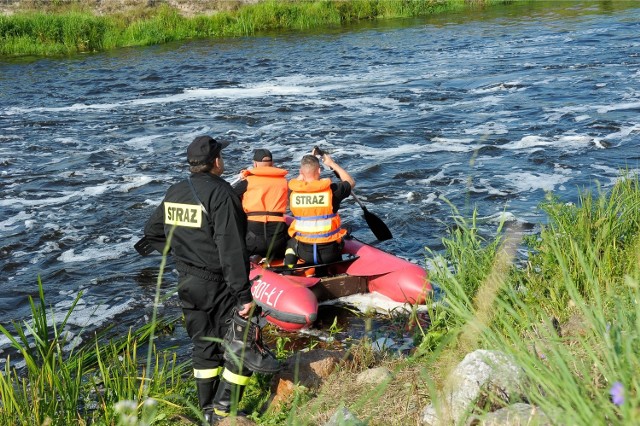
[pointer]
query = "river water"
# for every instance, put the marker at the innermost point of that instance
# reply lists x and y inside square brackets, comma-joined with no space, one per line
[489,109]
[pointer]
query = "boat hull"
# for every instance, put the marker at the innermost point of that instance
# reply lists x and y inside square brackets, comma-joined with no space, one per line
[290,302]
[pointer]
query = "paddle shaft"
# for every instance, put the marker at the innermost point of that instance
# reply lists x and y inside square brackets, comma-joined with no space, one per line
[358,200]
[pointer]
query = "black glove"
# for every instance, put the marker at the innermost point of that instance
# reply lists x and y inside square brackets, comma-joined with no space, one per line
[144,247]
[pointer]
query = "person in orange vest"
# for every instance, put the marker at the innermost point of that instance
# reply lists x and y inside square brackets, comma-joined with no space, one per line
[317,236]
[263,190]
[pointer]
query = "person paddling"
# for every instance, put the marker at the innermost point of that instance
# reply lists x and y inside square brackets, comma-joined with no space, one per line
[317,236]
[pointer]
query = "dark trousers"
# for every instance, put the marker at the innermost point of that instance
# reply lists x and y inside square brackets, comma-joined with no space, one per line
[267,239]
[317,253]
[207,305]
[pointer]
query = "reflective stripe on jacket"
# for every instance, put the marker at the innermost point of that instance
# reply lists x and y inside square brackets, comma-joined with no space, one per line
[265,199]
[311,204]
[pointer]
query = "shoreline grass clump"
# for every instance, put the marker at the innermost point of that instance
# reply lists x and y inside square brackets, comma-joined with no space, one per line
[73,27]
[96,383]
[570,317]
[603,231]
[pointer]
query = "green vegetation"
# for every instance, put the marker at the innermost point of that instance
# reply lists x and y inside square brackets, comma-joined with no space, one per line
[569,316]
[99,382]
[72,27]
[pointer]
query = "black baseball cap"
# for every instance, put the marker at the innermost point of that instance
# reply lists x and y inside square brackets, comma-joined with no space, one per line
[204,149]
[262,155]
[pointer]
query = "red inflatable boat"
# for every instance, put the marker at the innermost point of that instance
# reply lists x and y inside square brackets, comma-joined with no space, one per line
[290,300]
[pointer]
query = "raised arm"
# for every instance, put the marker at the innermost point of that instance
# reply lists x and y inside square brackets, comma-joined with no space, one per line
[339,171]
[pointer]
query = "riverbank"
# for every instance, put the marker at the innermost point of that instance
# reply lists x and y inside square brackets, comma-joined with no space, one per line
[36,28]
[186,8]
[567,316]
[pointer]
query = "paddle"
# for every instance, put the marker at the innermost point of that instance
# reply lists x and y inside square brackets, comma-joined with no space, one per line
[377,226]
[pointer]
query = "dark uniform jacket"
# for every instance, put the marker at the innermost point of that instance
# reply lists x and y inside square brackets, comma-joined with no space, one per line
[212,242]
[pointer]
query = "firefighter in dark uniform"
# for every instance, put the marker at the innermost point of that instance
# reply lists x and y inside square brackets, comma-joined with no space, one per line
[203,220]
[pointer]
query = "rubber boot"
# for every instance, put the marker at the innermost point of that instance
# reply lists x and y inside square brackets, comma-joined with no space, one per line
[207,389]
[245,349]
[290,258]
[229,394]
[227,399]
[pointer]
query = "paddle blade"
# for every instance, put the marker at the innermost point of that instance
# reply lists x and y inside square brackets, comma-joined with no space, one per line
[377,226]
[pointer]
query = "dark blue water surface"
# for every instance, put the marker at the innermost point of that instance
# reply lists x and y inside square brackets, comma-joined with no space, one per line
[490,109]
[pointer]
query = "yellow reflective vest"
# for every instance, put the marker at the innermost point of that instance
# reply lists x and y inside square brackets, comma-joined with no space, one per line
[311,204]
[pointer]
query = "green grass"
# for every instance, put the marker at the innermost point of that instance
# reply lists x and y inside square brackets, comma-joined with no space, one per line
[88,384]
[74,29]
[105,382]
[568,314]
[569,317]
[116,381]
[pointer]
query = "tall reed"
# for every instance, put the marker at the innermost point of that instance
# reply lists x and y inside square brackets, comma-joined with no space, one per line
[61,387]
[570,318]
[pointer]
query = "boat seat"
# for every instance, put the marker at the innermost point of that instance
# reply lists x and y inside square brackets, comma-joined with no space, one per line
[336,286]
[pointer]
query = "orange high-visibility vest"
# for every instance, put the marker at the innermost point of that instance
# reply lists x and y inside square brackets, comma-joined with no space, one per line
[266,197]
[311,204]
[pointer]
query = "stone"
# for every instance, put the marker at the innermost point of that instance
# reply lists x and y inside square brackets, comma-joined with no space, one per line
[304,370]
[344,417]
[236,421]
[481,373]
[374,376]
[518,414]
